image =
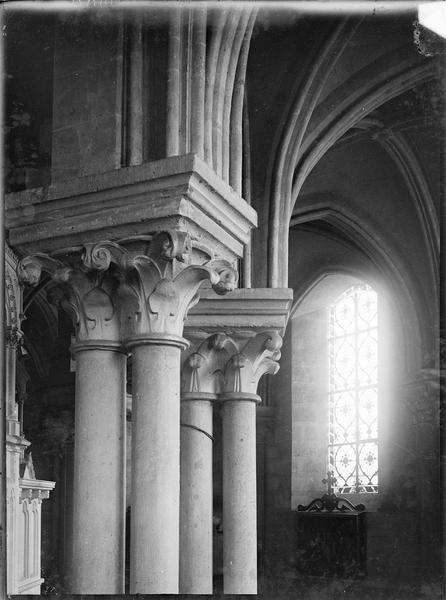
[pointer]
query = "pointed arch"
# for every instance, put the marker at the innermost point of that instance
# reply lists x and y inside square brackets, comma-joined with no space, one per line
[368,89]
[392,276]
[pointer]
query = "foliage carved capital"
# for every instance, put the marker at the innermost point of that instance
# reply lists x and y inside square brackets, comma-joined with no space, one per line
[157,293]
[154,303]
[203,368]
[115,294]
[254,358]
[88,296]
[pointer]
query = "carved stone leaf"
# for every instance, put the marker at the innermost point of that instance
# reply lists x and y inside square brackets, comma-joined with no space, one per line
[29,269]
[164,298]
[143,274]
[98,307]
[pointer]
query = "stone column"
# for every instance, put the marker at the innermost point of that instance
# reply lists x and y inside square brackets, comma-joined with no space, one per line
[155,464]
[99,468]
[254,358]
[201,382]
[196,494]
[157,293]
[88,294]
[141,299]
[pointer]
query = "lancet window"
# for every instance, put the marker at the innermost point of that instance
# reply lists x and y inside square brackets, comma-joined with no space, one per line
[353,390]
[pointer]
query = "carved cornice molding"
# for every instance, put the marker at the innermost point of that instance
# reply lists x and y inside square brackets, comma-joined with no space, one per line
[172,193]
[35,489]
[245,310]
[117,295]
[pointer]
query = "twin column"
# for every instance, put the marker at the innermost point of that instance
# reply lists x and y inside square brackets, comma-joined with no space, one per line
[239,495]
[123,302]
[223,370]
[135,303]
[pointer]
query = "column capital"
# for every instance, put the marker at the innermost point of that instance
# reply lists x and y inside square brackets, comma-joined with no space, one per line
[157,291]
[203,367]
[254,321]
[116,294]
[87,293]
[253,358]
[231,365]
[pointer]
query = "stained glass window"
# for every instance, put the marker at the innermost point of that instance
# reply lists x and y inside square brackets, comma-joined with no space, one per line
[353,390]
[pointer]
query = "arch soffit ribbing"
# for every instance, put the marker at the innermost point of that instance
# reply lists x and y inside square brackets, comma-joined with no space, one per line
[392,274]
[369,90]
[399,149]
[342,120]
[305,96]
[297,112]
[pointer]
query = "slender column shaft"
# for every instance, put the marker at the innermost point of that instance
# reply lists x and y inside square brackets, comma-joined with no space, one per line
[196,496]
[99,469]
[239,133]
[198,81]
[135,96]
[239,496]
[154,545]
[174,84]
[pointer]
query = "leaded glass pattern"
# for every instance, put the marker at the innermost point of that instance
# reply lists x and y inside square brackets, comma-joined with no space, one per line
[353,390]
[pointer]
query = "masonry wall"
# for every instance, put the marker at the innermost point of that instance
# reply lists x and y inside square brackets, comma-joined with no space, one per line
[88,95]
[403,518]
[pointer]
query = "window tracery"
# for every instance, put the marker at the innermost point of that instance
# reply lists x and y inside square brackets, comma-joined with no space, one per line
[353,390]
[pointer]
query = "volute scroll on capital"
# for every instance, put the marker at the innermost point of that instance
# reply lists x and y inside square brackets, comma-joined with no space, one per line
[115,294]
[156,294]
[88,295]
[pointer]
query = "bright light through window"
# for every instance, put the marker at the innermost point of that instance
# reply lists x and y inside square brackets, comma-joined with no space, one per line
[353,390]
